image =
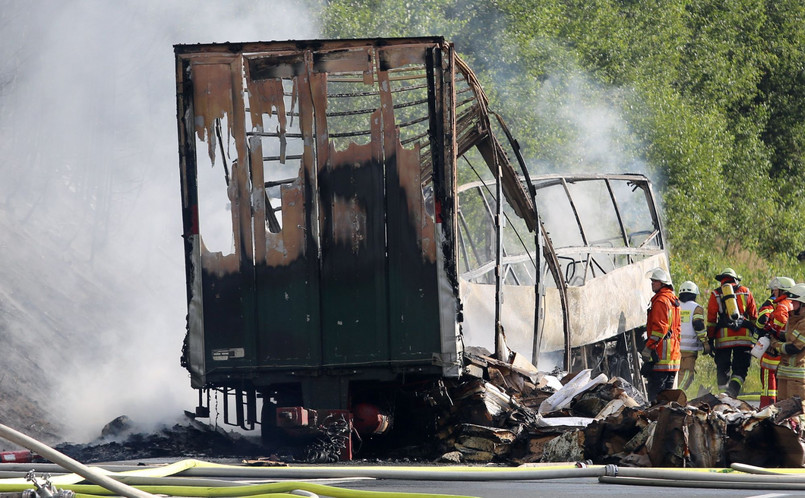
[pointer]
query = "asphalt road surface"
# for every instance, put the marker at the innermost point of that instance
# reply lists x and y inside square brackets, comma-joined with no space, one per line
[555,488]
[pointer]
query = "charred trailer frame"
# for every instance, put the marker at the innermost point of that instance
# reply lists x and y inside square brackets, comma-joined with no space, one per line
[338,163]
[324,233]
[598,236]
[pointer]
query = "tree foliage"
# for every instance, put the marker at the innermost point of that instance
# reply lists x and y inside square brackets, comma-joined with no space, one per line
[704,97]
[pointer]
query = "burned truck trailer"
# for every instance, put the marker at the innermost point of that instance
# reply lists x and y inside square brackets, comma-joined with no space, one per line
[332,257]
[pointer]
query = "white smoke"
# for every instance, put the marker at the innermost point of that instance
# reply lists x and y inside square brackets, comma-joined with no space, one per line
[92,294]
[584,127]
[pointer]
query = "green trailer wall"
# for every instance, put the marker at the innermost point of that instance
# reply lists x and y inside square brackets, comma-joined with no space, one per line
[338,210]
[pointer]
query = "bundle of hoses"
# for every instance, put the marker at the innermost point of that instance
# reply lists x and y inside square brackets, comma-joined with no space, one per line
[137,484]
[106,484]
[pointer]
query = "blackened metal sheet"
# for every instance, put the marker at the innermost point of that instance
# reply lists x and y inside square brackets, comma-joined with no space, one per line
[342,61]
[276,66]
[397,57]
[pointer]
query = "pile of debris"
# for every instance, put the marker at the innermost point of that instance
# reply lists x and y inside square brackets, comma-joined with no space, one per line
[511,414]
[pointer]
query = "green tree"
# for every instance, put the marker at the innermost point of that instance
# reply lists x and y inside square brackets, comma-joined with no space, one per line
[705,97]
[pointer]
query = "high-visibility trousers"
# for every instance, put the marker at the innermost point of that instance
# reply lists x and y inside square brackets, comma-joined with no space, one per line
[768,379]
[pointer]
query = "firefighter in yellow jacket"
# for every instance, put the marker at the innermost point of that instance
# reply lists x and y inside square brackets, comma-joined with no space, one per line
[731,312]
[791,371]
[694,336]
[663,334]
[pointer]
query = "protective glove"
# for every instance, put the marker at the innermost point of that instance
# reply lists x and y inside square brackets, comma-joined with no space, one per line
[775,344]
[708,349]
[646,354]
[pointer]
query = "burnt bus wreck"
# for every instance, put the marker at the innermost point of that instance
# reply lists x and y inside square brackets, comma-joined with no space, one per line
[333,258]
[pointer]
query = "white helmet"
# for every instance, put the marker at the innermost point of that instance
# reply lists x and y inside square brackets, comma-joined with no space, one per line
[660,275]
[728,273]
[690,287]
[781,283]
[796,293]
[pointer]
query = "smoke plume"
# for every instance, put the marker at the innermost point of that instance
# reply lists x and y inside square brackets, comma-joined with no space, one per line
[92,295]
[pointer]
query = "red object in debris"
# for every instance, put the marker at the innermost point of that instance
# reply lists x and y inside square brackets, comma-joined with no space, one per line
[368,419]
[300,420]
[22,456]
[292,416]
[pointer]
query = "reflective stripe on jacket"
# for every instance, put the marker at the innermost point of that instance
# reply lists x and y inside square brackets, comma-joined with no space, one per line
[726,337]
[764,311]
[663,329]
[778,318]
[770,361]
[792,366]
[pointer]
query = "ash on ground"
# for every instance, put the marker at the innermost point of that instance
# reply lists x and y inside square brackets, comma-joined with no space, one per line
[189,439]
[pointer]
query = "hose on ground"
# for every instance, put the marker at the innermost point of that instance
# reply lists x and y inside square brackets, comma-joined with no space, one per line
[681,483]
[68,463]
[251,490]
[191,468]
[693,475]
[697,479]
[751,469]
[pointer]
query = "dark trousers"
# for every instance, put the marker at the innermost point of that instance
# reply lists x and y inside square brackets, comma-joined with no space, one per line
[658,382]
[735,360]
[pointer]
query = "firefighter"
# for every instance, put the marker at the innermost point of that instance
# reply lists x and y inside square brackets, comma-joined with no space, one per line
[662,329]
[731,311]
[771,320]
[791,372]
[693,334]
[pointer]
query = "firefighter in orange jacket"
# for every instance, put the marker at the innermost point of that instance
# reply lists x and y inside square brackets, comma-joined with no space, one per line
[731,312]
[771,320]
[662,349]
